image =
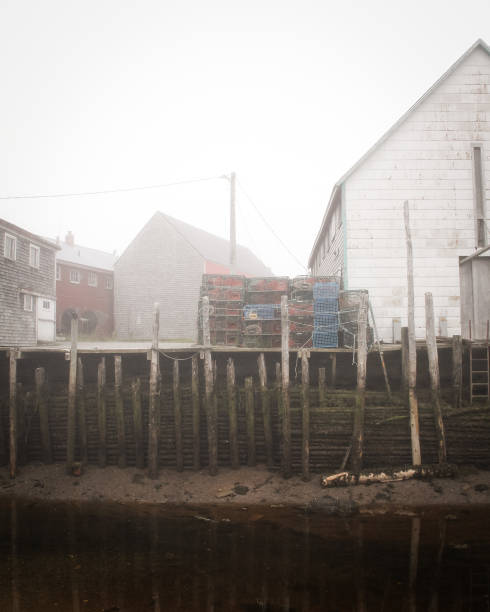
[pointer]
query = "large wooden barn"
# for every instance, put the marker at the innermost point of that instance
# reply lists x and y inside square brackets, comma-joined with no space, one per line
[165,264]
[437,157]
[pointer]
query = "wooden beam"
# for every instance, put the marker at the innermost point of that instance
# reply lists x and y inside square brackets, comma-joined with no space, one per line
[138,423]
[154,403]
[266,410]
[434,376]
[285,402]
[404,360]
[42,409]
[196,428]
[232,411]
[250,415]
[305,393]
[211,407]
[412,347]
[457,355]
[81,412]
[119,410]
[13,356]
[72,398]
[101,413]
[358,433]
[178,418]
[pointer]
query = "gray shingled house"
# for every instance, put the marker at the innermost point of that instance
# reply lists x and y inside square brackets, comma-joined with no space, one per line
[165,264]
[27,287]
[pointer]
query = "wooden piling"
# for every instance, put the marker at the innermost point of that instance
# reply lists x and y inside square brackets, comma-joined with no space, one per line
[457,355]
[232,411]
[138,423]
[266,410]
[305,392]
[81,412]
[154,402]
[381,354]
[72,398]
[358,432]
[119,409]
[321,386]
[211,406]
[195,412]
[333,380]
[42,409]
[412,347]
[178,418]
[404,360]
[434,376]
[13,355]
[285,403]
[250,415]
[101,413]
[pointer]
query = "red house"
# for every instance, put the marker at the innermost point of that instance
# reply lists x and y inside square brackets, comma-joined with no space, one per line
[85,285]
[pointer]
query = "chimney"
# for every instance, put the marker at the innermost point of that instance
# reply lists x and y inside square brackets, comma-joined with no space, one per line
[70,239]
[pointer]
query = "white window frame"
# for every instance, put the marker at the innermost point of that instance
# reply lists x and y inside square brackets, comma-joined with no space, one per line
[78,277]
[58,272]
[28,302]
[14,240]
[92,279]
[109,284]
[34,256]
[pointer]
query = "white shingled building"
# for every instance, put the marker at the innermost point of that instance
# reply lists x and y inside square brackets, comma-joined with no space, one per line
[437,157]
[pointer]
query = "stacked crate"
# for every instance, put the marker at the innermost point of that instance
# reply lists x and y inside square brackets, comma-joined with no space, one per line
[262,311]
[326,313]
[226,299]
[349,302]
[300,323]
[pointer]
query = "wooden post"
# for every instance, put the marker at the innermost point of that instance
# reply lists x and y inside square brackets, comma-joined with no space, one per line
[211,408]
[434,376]
[457,371]
[358,433]
[72,398]
[13,355]
[333,358]
[266,410]
[412,347]
[178,419]
[82,417]
[250,412]
[101,413]
[42,409]
[321,386]
[232,410]
[154,403]
[138,423]
[380,351]
[305,389]
[286,416]
[119,409]
[195,412]
[404,360]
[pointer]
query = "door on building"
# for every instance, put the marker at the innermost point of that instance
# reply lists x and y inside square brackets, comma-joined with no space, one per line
[474,276]
[46,320]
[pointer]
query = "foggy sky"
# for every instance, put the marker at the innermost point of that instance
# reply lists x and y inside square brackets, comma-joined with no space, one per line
[109,94]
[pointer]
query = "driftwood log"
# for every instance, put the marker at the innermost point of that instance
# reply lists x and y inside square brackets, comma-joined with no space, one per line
[345,479]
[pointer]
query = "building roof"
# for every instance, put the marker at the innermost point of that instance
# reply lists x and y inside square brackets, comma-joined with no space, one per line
[34,237]
[480,43]
[86,257]
[215,249]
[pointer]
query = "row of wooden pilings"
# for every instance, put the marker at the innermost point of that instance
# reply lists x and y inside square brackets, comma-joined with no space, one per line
[76,420]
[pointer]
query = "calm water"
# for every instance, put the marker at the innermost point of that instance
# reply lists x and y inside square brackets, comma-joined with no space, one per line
[96,557]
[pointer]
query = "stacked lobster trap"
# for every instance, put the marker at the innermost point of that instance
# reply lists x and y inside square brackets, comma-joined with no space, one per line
[247,311]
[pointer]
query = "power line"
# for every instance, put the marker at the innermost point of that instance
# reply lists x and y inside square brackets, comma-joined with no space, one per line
[106,191]
[268,225]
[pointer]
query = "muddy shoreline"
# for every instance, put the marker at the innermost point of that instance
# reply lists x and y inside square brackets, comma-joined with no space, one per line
[242,489]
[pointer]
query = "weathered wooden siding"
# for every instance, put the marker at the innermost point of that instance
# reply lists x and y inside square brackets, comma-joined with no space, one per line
[427,161]
[158,266]
[330,254]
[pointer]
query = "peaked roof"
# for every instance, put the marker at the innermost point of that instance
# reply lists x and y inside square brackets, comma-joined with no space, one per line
[84,256]
[480,43]
[34,237]
[215,249]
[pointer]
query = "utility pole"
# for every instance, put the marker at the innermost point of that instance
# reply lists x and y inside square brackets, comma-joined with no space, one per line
[232,219]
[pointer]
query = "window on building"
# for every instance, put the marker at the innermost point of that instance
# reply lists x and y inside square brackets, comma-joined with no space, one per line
[481,230]
[28,302]
[92,279]
[108,283]
[34,253]
[46,305]
[75,276]
[58,272]
[10,247]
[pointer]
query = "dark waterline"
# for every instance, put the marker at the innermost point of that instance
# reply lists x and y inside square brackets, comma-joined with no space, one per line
[108,557]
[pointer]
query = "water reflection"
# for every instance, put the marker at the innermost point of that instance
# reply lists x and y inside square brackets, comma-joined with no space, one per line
[95,557]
